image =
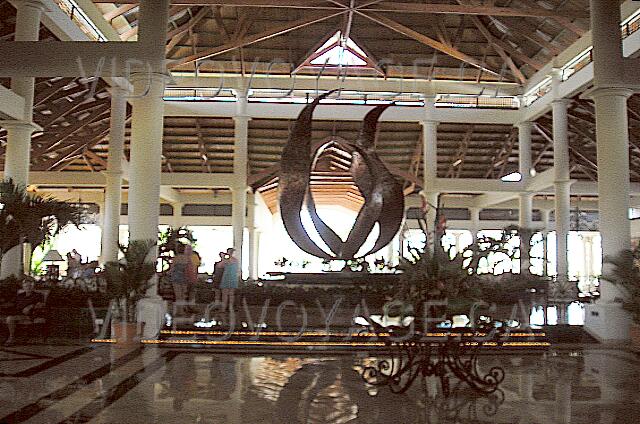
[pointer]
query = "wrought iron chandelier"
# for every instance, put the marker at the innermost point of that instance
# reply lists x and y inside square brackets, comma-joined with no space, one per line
[455,357]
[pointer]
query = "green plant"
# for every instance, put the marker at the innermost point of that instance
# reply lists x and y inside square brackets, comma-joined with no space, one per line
[34,219]
[625,274]
[128,279]
[433,275]
[169,240]
[37,258]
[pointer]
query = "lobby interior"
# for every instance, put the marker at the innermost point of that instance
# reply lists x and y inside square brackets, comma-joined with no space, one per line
[158,115]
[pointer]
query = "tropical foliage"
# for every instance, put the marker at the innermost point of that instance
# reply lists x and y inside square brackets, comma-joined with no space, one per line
[128,279]
[31,218]
[434,274]
[169,240]
[625,273]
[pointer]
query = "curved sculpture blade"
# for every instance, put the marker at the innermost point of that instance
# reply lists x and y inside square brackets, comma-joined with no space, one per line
[367,216]
[295,172]
[366,140]
[384,199]
[328,236]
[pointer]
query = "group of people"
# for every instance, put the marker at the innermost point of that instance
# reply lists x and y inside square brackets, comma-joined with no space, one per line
[183,275]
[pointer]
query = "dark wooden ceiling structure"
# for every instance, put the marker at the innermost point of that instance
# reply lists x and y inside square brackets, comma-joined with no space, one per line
[501,40]
[497,40]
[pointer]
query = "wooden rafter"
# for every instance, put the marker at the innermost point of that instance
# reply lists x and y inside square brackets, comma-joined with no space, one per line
[548,143]
[388,6]
[217,15]
[51,91]
[501,157]
[498,48]
[455,168]
[175,9]
[193,21]
[506,47]
[428,41]
[92,155]
[101,111]
[202,148]
[71,151]
[524,30]
[119,11]
[253,38]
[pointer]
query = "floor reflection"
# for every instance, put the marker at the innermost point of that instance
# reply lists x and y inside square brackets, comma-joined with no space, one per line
[595,386]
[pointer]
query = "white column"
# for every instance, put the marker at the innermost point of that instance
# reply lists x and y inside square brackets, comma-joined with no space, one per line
[545,247]
[17,156]
[612,134]
[524,149]
[147,122]
[430,162]
[562,181]
[475,223]
[526,198]
[606,319]
[18,148]
[176,221]
[587,251]
[240,163]
[389,255]
[252,234]
[113,176]
[146,153]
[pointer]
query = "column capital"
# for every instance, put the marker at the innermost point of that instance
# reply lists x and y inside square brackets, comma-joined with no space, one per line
[242,102]
[524,124]
[429,122]
[595,92]
[113,173]
[429,109]
[561,101]
[242,117]
[148,84]
[9,124]
[562,181]
[118,91]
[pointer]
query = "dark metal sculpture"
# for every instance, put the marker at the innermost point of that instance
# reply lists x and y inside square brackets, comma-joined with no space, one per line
[382,193]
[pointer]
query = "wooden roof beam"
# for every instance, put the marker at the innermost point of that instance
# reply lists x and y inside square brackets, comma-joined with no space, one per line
[119,11]
[428,41]
[483,10]
[253,38]
[530,32]
[193,21]
[505,57]
[387,6]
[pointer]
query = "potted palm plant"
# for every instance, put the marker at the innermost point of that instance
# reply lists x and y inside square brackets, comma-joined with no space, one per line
[625,274]
[127,282]
[31,219]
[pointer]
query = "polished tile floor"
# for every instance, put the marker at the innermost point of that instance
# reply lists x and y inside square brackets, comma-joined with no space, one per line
[105,384]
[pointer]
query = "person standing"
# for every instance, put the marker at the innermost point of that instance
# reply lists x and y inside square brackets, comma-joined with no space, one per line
[178,274]
[192,273]
[218,270]
[229,282]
